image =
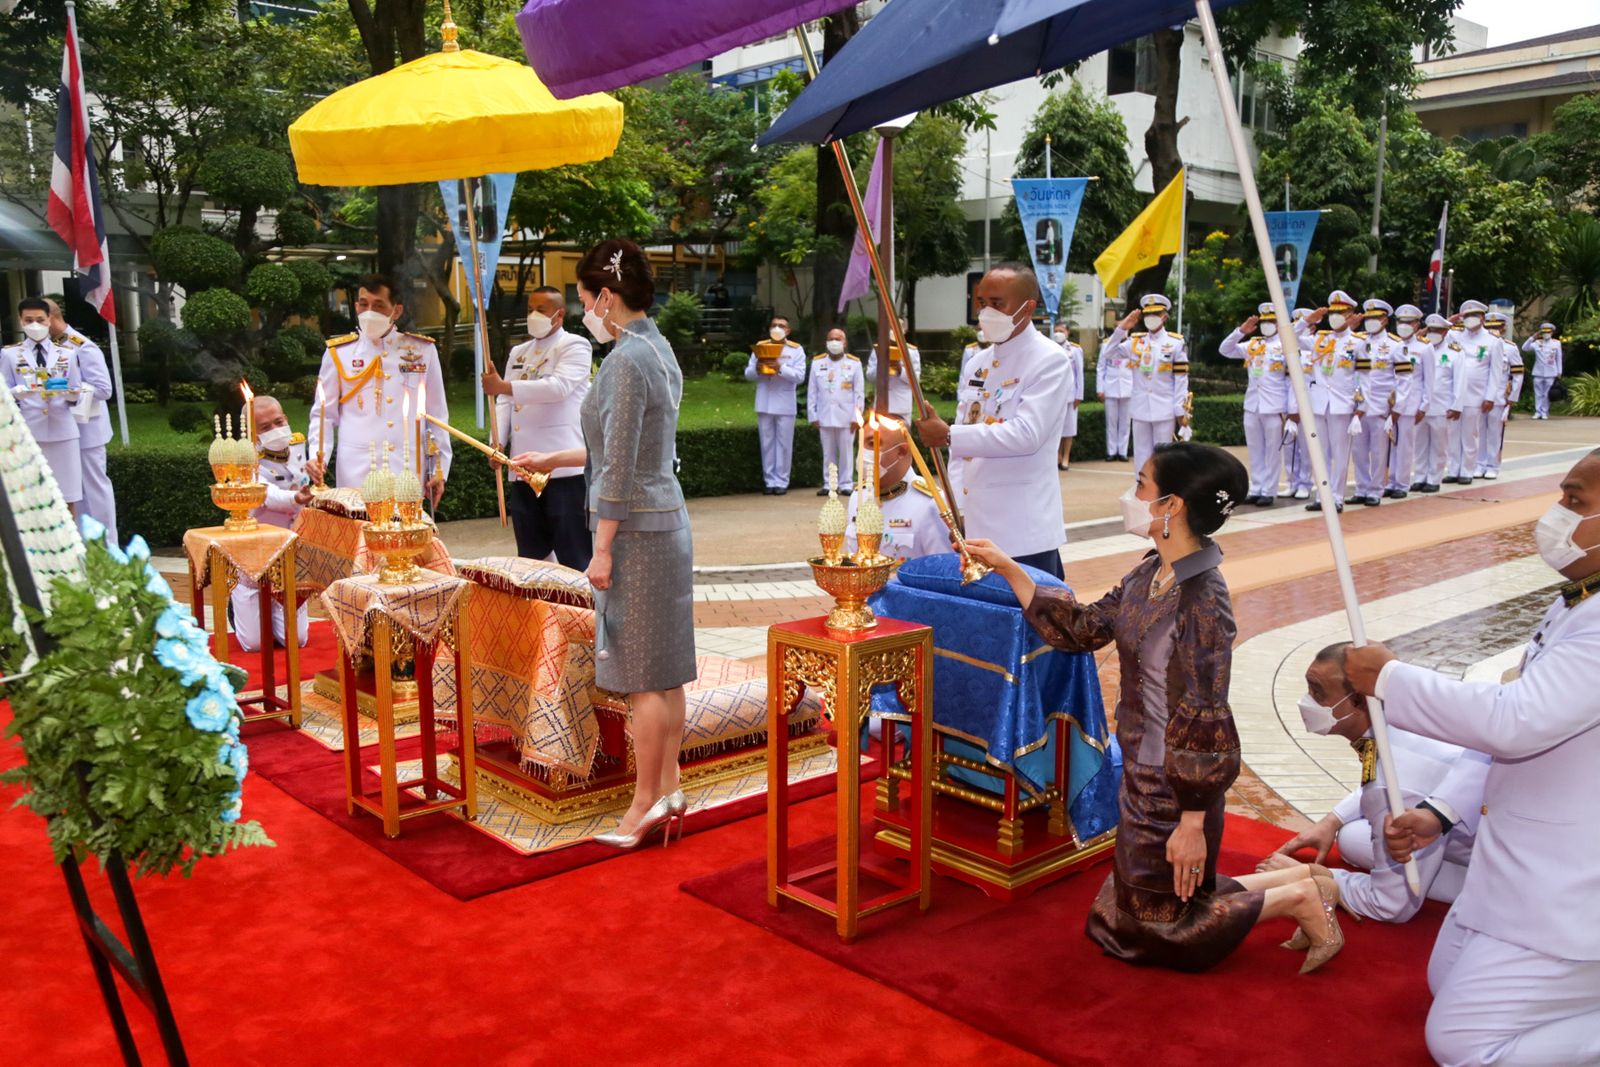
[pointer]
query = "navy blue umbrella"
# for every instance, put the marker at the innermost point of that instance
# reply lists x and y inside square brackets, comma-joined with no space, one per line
[918,53]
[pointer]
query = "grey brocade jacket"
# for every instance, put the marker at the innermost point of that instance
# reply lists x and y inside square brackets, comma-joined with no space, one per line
[630,426]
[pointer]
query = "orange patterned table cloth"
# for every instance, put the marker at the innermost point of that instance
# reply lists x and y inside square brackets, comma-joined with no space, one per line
[422,609]
[252,553]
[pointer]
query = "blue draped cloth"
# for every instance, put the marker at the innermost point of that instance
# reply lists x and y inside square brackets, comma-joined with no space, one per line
[997,687]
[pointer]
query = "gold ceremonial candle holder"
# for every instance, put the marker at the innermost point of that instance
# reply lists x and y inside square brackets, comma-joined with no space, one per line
[237,492]
[399,543]
[850,584]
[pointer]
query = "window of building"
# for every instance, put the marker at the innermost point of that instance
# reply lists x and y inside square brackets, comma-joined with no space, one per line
[1131,68]
[975,238]
[1494,131]
[1255,111]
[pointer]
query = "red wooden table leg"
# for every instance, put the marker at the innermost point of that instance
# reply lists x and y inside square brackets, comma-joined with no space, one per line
[269,688]
[777,773]
[352,731]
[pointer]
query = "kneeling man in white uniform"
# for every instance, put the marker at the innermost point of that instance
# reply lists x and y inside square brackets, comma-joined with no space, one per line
[1515,973]
[283,469]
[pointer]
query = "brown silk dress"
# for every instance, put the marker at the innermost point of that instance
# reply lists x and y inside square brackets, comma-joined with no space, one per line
[1180,752]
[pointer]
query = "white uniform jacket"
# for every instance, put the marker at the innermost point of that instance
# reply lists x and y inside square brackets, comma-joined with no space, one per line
[1476,356]
[364,383]
[1546,357]
[97,380]
[911,523]
[1411,369]
[900,399]
[48,419]
[834,393]
[1376,357]
[1535,874]
[549,378]
[775,392]
[1003,444]
[1335,374]
[284,476]
[1159,367]
[1268,391]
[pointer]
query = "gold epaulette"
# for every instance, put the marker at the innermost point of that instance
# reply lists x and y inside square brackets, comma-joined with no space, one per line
[297,439]
[342,339]
[417,336]
[1321,332]
[1394,336]
[922,487]
[823,355]
[75,339]
[1175,336]
[849,355]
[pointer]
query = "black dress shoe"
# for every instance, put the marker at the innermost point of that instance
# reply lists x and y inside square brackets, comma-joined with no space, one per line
[844,492]
[1428,487]
[1371,501]
[1398,494]
[1315,505]
[822,492]
[1265,501]
[766,490]
[781,491]
[1111,459]
[1417,486]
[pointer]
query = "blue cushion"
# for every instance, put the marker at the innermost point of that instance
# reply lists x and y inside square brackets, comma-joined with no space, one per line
[942,574]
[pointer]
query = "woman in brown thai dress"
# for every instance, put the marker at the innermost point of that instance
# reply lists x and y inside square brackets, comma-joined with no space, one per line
[1172,621]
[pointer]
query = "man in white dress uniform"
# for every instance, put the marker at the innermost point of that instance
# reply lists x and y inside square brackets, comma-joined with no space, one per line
[1160,365]
[776,405]
[1268,399]
[1435,433]
[900,399]
[1515,973]
[1069,415]
[44,378]
[1546,350]
[1003,445]
[94,430]
[282,468]
[1477,355]
[833,402]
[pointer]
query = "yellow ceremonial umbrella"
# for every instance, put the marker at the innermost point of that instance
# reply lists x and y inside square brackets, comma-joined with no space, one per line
[454,114]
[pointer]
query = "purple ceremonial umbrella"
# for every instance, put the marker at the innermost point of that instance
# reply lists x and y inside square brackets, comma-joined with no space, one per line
[581,46]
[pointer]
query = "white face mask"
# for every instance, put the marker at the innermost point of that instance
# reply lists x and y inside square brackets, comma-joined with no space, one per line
[1136,514]
[1373,325]
[1152,323]
[1268,329]
[835,348]
[1553,535]
[539,325]
[1405,329]
[777,333]
[276,439]
[374,324]
[1318,719]
[36,331]
[995,325]
[1336,320]
[1472,322]
[1059,338]
[595,323]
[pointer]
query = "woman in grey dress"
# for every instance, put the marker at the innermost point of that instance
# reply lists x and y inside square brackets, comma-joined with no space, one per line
[642,568]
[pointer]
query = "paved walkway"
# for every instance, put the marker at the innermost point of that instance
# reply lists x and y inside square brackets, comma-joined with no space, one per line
[1452,580]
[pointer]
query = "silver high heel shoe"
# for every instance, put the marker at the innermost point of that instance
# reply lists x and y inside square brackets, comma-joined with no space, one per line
[679,806]
[660,814]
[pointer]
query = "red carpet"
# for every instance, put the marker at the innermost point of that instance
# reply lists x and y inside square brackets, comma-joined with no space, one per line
[1027,974]
[441,849]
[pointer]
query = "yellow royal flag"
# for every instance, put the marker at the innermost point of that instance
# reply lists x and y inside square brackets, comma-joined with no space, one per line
[1155,233]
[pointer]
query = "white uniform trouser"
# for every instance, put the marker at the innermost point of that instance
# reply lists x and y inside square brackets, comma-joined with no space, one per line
[1146,435]
[1263,435]
[1119,411]
[1464,460]
[1494,432]
[66,465]
[98,501]
[1495,1002]
[1336,442]
[1541,396]
[246,600]
[1383,894]
[1432,444]
[1402,460]
[777,448]
[837,447]
[1297,462]
[1372,455]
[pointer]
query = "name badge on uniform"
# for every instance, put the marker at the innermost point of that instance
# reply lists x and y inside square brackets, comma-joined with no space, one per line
[848,385]
[900,524]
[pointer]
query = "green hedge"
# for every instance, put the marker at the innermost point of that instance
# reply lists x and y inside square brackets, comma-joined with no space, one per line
[161,492]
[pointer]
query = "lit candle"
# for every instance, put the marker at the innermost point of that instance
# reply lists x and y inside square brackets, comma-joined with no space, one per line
[422,406]
[405,430]
[861,449]
[249,411]
[877,454]
[322,427]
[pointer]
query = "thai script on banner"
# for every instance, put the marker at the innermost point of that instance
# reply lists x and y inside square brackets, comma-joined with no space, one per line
[1290,233]
[1048,208]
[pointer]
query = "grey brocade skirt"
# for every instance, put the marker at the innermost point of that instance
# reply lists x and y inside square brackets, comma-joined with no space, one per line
[649,612]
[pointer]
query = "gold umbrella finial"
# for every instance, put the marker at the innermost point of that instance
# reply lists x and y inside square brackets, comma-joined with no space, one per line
[448,31]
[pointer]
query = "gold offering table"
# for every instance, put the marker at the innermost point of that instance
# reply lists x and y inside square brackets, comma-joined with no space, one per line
[218,556]
[844,666]
[390,620]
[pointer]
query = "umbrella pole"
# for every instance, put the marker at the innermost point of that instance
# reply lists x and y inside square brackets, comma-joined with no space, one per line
[481,326]
[1291,352]
[885,295]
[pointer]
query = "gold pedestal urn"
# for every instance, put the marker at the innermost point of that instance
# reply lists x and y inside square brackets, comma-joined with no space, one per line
[851,579]
[233,462]
[395,529]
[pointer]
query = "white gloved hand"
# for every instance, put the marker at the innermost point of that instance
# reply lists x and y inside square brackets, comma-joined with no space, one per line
[1291,431]
[21,390]
[1355,426]
[83,410]
[1185,433]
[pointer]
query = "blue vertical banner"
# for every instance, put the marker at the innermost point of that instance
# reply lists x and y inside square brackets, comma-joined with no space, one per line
[494,198]
[1290,233]
[1048,208]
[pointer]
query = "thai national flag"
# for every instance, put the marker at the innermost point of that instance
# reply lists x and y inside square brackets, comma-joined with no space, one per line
[1435,290]
[74,207]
